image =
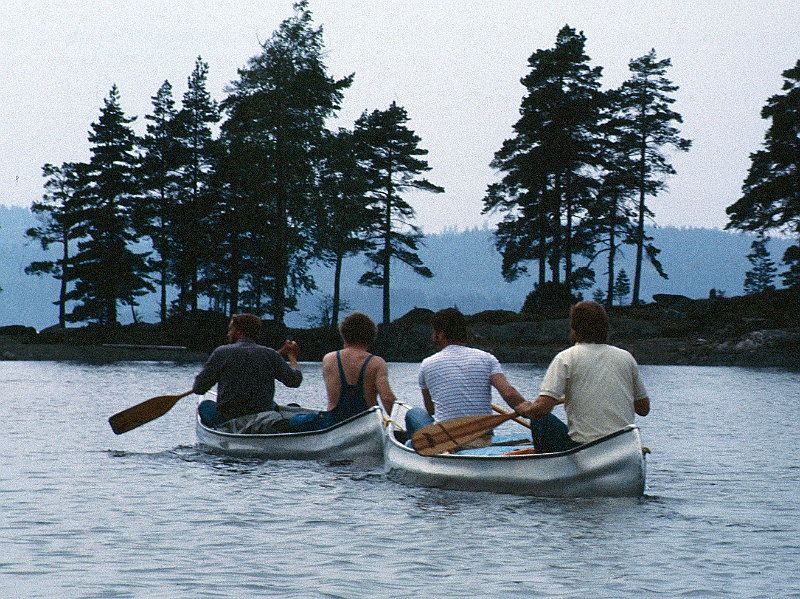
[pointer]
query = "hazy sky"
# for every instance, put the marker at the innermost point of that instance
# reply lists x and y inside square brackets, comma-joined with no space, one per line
[454,65]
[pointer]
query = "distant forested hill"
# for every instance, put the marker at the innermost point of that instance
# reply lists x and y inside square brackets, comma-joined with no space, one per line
[465,264]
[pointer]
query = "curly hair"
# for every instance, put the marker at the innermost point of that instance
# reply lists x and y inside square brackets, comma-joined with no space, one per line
[358,329]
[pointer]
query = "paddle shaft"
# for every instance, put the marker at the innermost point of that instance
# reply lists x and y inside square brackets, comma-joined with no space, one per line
[515,418]
[144,412]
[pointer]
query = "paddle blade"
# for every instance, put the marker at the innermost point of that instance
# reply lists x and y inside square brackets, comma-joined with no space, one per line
[142,413]
[453,434]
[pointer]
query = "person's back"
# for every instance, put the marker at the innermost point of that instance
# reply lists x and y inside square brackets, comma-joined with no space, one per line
[458,379]
[354,378]
[245,373]
[599,384]
[603,386]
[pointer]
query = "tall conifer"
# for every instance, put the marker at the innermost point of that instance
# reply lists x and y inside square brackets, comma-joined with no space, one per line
[107,270]
[390,152]
[549,165]
[771,192]
[276,115]
[648,126]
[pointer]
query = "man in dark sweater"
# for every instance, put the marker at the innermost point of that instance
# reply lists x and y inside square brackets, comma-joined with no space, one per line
[245,373]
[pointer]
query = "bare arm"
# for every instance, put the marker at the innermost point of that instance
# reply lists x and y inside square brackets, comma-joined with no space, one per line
[510,394]
[330,374]
[382,385]
[428,401]
[642,406]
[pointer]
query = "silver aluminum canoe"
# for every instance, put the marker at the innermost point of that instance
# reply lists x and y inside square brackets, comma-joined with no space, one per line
[613,466]
[358,439]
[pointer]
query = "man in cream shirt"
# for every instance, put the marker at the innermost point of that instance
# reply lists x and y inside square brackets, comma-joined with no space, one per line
[599,384]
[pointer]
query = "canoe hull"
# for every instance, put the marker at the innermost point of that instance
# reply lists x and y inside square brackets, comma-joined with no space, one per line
[358,439]
[613,466]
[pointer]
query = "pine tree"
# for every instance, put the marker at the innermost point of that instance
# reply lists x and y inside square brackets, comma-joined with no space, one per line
[276,116]
[549,165]
[762,275]
[57,213]
[612,213]
[390,152]
[771,192]
[647,125]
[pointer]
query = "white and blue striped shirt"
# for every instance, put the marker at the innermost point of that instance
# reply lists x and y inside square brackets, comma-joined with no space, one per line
[458,379]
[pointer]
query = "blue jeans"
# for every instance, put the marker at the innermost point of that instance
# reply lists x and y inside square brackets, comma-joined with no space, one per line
[417,418]
[209,414]
[315,421]
[550,435]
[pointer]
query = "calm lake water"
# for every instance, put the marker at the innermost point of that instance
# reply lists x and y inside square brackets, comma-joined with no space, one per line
[85,513]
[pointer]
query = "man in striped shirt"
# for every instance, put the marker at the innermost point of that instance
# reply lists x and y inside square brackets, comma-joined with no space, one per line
[457,380]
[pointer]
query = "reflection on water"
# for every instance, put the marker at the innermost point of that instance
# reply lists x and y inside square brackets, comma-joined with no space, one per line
[86,513]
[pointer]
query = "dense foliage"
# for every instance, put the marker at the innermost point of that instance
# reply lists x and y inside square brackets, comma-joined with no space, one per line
[229,204]
[581,164]
[771,192]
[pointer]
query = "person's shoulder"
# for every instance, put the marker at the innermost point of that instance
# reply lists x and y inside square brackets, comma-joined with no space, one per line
[621,354]
[375,360]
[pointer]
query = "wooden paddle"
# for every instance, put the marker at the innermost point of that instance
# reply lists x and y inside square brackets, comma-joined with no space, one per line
[515,418]
[142,413]
[454,433]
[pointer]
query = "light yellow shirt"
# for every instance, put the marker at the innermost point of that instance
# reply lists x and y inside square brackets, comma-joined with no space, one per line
[600,383]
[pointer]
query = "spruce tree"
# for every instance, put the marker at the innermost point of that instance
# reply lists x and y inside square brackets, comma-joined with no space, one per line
[196,156]
[390,153]
[762,276]
[156,216]
[107,271]
[622,286]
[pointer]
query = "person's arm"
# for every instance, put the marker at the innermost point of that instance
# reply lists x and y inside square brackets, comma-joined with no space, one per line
[428,401]
[509,393]
[289,374]
[538,409]
[642,406]
[330,374]
[382,384]
[208,375]
[290,350]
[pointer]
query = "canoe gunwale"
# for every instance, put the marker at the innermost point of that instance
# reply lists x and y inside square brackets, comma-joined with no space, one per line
[214,431]
[528,456]
[611,466]
[358,439]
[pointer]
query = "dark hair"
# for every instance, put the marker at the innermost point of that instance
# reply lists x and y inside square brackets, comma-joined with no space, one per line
[357,328]
[247,324]
[452,323]
[589,322]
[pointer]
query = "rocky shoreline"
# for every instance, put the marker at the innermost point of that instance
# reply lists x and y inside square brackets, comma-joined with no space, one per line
[762,330]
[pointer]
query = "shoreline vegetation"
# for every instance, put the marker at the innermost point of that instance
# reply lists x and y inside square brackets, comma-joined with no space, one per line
[760,330]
